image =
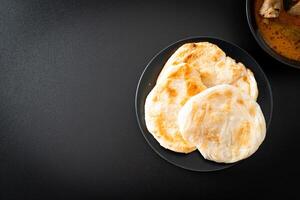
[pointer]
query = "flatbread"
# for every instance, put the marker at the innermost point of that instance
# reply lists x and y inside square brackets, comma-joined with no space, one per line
[214,66]
[165,101]
[225,124]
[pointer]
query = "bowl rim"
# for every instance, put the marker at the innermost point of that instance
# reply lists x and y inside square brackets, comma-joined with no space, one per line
[261,42]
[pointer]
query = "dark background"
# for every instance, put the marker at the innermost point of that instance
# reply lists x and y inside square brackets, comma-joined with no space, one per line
[68,74]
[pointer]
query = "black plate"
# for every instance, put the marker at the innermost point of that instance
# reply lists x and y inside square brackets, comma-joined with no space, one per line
[194,161]
[255,32]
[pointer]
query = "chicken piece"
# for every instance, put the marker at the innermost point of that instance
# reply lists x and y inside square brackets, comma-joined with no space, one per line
[271,8]
[295,9]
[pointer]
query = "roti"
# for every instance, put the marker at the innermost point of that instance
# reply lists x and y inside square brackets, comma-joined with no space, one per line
[214,66]
[164,103]
[225,124]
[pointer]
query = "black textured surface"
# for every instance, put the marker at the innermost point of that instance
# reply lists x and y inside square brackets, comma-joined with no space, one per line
[194,161]
[68,74]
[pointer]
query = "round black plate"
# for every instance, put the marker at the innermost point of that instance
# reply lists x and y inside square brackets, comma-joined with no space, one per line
[194,161]
[255,32]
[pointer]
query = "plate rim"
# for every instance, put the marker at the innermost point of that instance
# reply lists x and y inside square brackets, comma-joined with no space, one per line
[226,165]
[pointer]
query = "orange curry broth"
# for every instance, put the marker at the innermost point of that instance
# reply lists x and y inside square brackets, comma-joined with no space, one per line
[282,34]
